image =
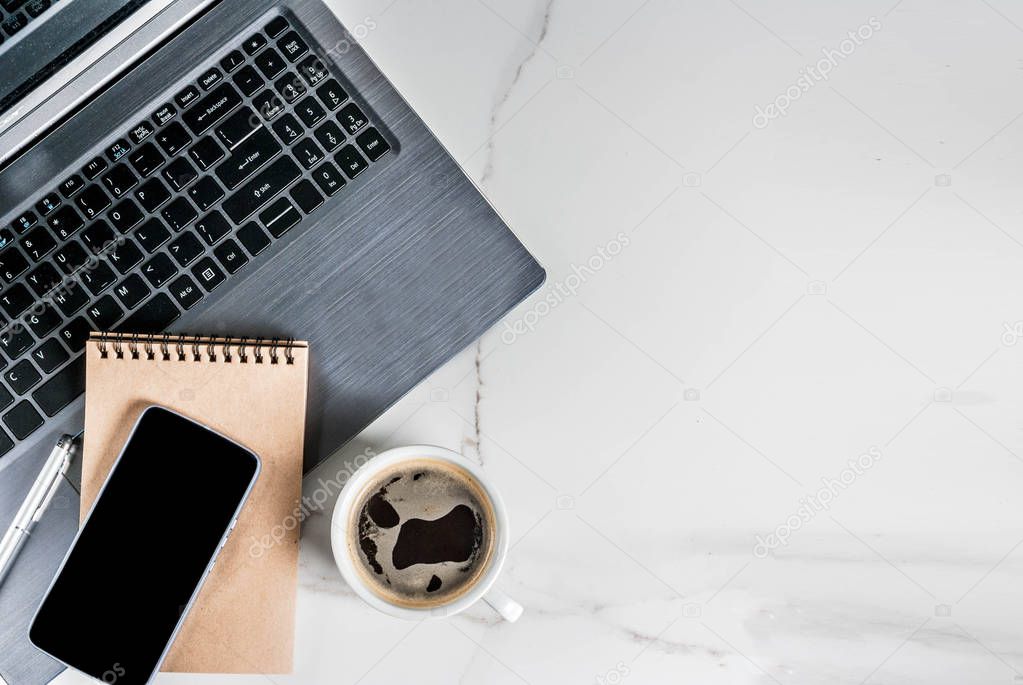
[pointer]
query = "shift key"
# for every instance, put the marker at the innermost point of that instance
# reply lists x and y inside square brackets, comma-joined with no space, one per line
[261,189]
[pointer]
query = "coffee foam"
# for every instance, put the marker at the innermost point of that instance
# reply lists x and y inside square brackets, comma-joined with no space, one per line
[407,533]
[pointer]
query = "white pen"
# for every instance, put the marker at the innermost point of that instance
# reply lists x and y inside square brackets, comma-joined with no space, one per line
[35,503]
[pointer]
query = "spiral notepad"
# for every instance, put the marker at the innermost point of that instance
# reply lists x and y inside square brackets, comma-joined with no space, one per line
[253,391]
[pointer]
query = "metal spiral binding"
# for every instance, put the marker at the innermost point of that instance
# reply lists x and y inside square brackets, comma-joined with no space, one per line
[197,348]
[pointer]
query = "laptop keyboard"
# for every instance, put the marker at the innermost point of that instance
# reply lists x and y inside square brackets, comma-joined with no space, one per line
[16,14]
[173,208]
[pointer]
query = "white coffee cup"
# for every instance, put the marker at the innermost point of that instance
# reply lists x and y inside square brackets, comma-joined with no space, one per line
[341,535]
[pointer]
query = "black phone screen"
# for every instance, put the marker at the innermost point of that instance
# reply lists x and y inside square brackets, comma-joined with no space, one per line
[144,548]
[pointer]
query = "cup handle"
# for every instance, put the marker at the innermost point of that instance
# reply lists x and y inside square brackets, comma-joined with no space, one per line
[509,609]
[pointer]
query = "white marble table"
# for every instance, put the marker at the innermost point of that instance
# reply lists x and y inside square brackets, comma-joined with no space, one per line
[738,307]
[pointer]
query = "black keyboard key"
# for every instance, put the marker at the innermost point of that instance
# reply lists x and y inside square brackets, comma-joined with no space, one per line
[48,203]
[125,216]
[350,161]
[65,221]
[232,61]
[268,104]
[173,139]
[331,94]
[12,264]
[22,376]
[288,129]
[94,168]
[292,46]
[37,7]
[71,185]
[306,196]
[92,201]
[210,78]
[146,160]
[248,80]
[6,398]
[38,242]
[24,222]
[329,178]
[231,256]
[98,278]
[313,70]
[119,149]
[50,355]
[75,333]
[187,96]
[253,44]
[310,111]
[280,217]
[253,238]
[104,312]
[373,144]
[152,194]
[180,173]
[308,153]
[142,130]
[352,118]
[276,27]
[290,87]
[43,279]
[43,321]
[330,136]
[71,298]
[270,63]
[164,114]
[185,249]
[208,273]
[179,214]
[60,390]
[6,237]
[250,156]
[98,236]
[14,341]
[16,299]
[14,23]
[237,127]
[152,235]
[205,193]
[23,420]
[206,153]
[212,108]
[152,317]
[125,255]
[131,291]
[261,189]
[119,180]
[212,227]
[70,256]
[185,291]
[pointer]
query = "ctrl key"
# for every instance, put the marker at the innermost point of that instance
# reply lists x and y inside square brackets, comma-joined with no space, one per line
[23,420]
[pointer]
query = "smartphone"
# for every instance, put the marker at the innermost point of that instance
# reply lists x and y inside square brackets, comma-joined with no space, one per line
[143,552]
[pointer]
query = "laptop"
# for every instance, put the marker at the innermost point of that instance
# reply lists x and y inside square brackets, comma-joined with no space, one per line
[218,167]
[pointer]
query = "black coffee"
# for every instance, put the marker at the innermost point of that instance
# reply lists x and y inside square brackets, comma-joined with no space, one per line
[424,533]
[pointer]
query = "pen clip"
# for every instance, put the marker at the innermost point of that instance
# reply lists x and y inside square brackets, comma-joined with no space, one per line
[41,509]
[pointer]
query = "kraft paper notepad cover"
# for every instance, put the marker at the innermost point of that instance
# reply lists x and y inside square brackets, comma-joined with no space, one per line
[243,619]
